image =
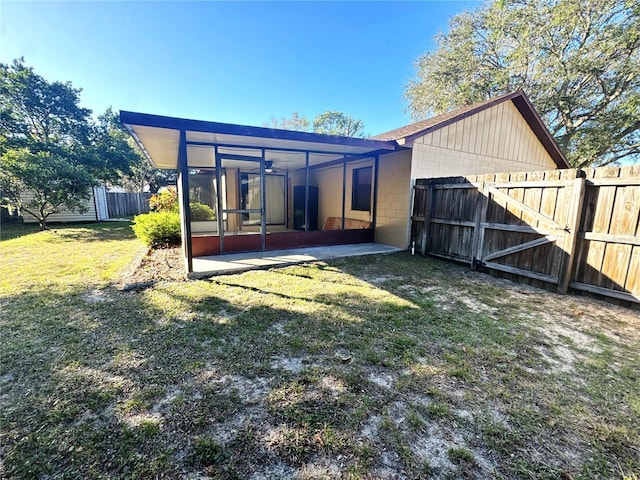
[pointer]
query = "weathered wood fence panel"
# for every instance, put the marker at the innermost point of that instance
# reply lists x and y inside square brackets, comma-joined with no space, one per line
[607,259]
[127,204]
[566,228]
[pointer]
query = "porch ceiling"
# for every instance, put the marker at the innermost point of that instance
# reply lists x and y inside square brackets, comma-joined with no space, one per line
[159,137]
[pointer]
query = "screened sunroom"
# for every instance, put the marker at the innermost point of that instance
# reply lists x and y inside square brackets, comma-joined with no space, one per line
[247,188]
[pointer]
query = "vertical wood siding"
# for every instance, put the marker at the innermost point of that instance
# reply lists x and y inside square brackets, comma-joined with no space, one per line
[493,140]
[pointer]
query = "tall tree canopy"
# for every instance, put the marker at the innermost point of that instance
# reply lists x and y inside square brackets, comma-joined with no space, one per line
[337,123]
[294,122]
[51,152]
[578,61]
[328,123]
[117,146]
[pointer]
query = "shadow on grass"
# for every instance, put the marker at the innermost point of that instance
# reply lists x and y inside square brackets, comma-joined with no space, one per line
[126,384]
[85,232]
[94,232]
[10,231]
[229,376]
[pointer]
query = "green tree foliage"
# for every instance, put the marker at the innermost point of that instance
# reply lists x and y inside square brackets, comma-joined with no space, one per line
[51,152]
[337,123]
[51,180]
[166,201]
[118,147]
[143,174]
[112,153]
[295,122]
[578,61]
[328,123]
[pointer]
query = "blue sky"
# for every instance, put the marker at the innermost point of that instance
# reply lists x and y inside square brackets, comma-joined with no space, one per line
[233,62]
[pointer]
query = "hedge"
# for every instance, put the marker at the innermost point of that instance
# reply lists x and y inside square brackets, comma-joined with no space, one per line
[158,229]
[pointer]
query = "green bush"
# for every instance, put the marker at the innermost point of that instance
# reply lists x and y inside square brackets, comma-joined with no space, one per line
[201,212]
[158,229]
[166,201]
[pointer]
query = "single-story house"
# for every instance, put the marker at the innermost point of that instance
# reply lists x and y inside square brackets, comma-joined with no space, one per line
[272,189]
[94,209]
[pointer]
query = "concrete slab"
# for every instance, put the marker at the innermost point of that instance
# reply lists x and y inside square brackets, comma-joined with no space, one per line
[240,262]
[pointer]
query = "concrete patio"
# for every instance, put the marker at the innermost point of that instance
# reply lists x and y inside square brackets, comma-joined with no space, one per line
[240,262]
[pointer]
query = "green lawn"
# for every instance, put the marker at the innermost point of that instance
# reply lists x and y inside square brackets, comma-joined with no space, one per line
[356,368]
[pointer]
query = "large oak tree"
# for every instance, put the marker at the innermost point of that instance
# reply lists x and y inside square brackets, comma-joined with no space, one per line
[578,61]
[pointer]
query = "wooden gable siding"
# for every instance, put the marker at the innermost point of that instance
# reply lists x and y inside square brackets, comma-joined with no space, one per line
[495,139]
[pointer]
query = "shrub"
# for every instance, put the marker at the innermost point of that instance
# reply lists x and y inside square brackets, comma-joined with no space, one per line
[201,212]
[158,229]
[166,201]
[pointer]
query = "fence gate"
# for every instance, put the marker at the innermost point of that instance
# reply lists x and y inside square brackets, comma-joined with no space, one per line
[529,228]
[525,226]
[565,228]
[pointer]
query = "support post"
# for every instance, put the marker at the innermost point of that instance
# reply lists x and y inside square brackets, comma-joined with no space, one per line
[306,192]
[374,210]
[575,214]
[475,240]
[263,209]
[425,237]
[344,189]
[219,211]
[183,202]
[286,198]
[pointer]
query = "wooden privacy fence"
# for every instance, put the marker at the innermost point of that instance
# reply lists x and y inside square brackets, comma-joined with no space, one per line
[575,229]
[127,204]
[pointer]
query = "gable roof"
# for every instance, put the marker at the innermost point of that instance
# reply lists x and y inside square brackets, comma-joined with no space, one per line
[519,100]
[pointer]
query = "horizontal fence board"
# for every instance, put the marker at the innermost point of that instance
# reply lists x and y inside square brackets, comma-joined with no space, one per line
[604,237]
[530,184]
[454,186]
[629,297]
[599,182]
[521,228]
[459,223]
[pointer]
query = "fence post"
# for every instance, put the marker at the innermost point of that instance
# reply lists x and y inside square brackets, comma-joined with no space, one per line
[475,240]
[426,225]
[575,214]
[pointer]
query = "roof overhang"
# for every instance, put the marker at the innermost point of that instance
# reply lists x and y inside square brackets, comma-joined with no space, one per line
[159,138]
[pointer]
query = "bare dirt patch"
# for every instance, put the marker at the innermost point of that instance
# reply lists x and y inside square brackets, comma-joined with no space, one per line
[156,265]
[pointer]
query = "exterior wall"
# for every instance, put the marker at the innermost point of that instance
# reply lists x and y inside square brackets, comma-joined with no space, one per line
[65,215]
[329,183]
[394,199]
[497,139]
